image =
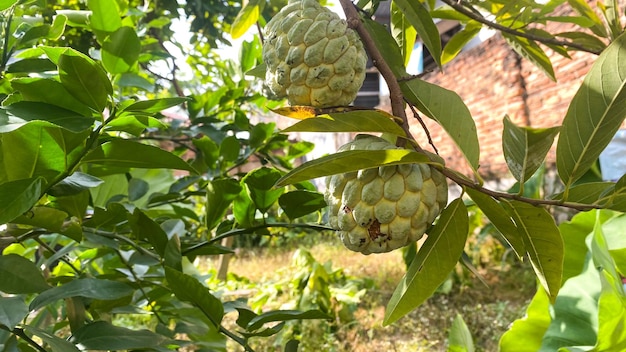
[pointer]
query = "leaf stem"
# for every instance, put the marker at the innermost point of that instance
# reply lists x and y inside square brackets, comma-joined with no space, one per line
[467,10]
[21,334]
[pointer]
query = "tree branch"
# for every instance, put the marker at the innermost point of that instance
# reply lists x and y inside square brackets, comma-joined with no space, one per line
[467,11]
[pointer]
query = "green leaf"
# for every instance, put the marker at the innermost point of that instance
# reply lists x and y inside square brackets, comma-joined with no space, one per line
[5,4]
[419,17]
[220,194]
[19,275]
[229,148]
[153,106]
[144,228]
[56,343]
[260,184]
[126,153]
[459,337]
[529,50]
[33,111]
[611,318]
[43,217]
[585,10]
[31,65]
[137,188]
[300,203]
[594,115]
[348,161]
[459,40]
[105,15]
[246,17]
[353,121]
[447,108]
[543,243]
[88,288]
[188,289]
[525,148]
[403,32]
[500,219]
[50,91]
[120,50]
[585,39]
[12,311]
[525,334]
[387,46]
[101,335]
[74,184]
[432,264]
[84,79]
[19,196]
[284,315]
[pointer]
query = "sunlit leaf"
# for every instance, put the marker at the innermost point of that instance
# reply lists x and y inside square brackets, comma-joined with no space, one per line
[531,51]
[354,121]
[105,15]
[155,105]
[403,32]
[260,184]
[220,194]
[447,108]
[525,334]
[594,115]
[120,50]
[19,275]
[284,315]
[419,17]
[84,79]
[351,160]
[433,262]
[459,40]
[246,17]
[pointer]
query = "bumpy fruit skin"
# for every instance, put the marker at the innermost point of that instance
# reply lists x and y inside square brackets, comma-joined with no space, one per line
[381,209]
[312,57]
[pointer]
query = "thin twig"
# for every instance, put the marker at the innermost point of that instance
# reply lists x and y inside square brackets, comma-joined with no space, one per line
[22,334]
[419,118]
[465,9]
[62,258]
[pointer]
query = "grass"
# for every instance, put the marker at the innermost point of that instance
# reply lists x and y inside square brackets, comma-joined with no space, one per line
[488,311]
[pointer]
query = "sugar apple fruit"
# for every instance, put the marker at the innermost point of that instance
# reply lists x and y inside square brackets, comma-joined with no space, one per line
[312,57]
[377,210]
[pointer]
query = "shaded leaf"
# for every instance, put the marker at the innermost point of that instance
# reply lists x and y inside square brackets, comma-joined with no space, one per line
[433,262]
[32,111]
[144,228]
[529,50]
[284,315]
[88,288]
[260,184]
[229,148]
[18,196]
[543,243]
[126,153]
[188,289]
[220,194]
[594,115]
[74,184]
[19,275]
[152,106]
[56,343]
[84,79]
[351,160]
[49,91]
[353,121]
[447,108]
[101,335]
[525,148]
[31,65]
[387,46]
[459,337]
[301,202]
[12,311]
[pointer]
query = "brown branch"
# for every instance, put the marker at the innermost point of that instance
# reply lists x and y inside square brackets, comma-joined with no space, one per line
[467,11]
[419,118]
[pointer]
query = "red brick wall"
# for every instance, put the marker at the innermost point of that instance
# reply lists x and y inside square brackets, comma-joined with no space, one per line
[494,81]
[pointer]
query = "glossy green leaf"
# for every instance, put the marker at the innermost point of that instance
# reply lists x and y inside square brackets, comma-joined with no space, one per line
[419,17]
[126,153]
[433,262]
[134,123]
[525,148]
[18,196]
[299,203]
[105,15]
[244,209]
[120,50]
[84,79]
[137,188]
[246,18]
[187,288]
[229,148]
[525,334]
[447,108]
[403,32]
[101,335]
[459,336]
[459,40]
[260,184]
[153,106]
[531,51]
[55,343]
[144,228]
[500,219]
[353,121]
[594,115]
[74,184]
[19,275]
[50,91]
[347,161]
[284,315]
[12,311]
[387,46]
[543,243]
[220,194]
[575,312]
[36,111]
[88,288]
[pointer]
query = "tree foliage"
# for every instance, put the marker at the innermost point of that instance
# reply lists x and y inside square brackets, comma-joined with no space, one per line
[118,169]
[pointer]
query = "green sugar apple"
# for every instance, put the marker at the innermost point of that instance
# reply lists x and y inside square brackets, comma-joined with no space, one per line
[378,210]
[312,57]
